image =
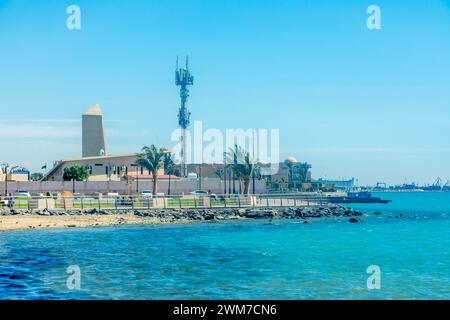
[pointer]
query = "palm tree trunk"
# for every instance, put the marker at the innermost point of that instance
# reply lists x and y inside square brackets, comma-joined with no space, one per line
[155,182]
[168,191]
[246,186]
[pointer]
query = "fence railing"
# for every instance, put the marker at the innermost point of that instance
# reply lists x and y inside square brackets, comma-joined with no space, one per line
[142,202]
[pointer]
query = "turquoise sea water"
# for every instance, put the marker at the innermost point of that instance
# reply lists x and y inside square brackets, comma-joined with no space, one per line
[327,259]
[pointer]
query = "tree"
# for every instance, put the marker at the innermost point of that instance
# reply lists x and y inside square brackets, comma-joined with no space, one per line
[152,158]
[170,167]
[36,176]
[75,173]
[219,172]
[291,166]
[242,166]
[302,170]
[257,172]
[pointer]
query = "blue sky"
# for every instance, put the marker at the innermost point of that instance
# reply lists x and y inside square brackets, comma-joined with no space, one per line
[353,102]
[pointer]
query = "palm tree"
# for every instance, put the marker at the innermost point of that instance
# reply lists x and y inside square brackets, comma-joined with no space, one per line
[152,158]
[290,166]
[169,167]
[242,166]
[302,170]
[219,172]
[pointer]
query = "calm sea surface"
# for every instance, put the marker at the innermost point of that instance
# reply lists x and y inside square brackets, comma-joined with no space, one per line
[328,259]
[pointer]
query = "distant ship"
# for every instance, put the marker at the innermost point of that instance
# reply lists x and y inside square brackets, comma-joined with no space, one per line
[357,197]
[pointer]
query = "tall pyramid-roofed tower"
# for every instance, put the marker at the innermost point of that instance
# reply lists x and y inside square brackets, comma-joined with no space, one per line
[93,135]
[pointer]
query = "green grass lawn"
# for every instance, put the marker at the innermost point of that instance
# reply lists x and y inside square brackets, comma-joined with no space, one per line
[25,203]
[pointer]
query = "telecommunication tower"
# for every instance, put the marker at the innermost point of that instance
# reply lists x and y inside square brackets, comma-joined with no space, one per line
[183,78]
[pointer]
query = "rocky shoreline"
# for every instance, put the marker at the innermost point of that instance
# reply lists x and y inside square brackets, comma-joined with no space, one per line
[329,210]
[13,220]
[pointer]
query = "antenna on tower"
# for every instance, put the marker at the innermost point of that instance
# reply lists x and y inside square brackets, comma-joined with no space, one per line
[184,78]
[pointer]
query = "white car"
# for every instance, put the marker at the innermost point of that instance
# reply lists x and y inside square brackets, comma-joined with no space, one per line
[199,193]
[203,193]
[147,194]
[22,194]
[192,176]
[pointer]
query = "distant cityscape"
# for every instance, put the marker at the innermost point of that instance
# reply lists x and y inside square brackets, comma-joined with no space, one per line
[101,166]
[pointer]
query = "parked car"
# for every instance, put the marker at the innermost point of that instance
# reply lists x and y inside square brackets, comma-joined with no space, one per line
[147,194]
[199,193]
[192,176]
[124,201]
[203,193]
[22,194]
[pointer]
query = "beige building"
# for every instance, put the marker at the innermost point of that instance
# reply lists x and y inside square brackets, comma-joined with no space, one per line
[14,177]
[104,168]
[14,174]
[93,134]
[100,165]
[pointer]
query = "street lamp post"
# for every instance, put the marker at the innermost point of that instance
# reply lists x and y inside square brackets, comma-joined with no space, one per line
[224,173]
[199,177]
[5,169]
[168,189]
[253,177]
[137,179]
[6,181]
[253,161]
[229,180]
[234,182]
[224,180]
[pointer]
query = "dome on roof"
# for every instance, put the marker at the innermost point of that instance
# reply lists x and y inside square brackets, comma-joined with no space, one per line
[291,160]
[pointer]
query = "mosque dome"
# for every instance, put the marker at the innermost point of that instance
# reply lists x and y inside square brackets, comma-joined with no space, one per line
[291,160]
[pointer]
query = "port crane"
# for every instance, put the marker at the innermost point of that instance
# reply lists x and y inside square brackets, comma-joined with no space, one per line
[436,186]
[437,182]
[446,186]
[381,185]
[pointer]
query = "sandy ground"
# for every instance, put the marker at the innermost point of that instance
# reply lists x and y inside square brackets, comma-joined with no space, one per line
[29,222]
